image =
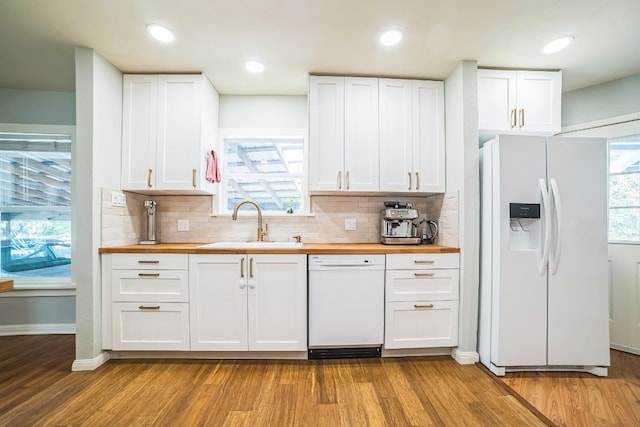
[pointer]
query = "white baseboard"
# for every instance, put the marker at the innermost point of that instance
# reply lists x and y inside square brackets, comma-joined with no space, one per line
[38,329]
[465,357]
[625,349]
[90,364]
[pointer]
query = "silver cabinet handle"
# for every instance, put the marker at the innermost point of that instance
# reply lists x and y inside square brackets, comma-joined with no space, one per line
[193,178]
[251,268]
[521,118]
[242,268]
[147,307]
[423,274]
[513,119]
[423,306]
[348,181]
[148,274]
[417,181]
[409,187]
[339,180]
[144,261]
[149,177]
[423,261]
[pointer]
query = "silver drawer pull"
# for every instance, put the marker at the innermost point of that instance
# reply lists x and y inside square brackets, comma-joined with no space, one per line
[148,274]
[423,274]
[425,261]
[144,261]
[423,306]
[147,307]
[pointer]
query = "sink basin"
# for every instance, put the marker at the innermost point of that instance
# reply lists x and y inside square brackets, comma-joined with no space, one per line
[251,245]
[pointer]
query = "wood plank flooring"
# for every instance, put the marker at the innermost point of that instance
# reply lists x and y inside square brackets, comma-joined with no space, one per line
[37,388]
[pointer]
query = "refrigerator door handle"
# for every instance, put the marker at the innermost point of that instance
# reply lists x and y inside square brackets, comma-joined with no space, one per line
[544,259]
[555,260]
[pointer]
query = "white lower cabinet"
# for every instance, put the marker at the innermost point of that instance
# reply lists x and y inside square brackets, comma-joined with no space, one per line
[421,301]
[248,302]
[149,298]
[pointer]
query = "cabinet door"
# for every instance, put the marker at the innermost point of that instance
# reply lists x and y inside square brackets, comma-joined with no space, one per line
[218,302]
[139,124]
[539,95]
[421,324]
[428,137]
[326,133]
[278,302]
[497,100]
[396,139]
[361,156]
[178,142]
[150,326]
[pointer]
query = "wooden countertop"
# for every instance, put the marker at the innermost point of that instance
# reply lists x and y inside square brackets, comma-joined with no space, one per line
[307,248]
[6,285]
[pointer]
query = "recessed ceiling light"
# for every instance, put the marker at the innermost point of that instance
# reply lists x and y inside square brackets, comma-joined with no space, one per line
[391,37]
[160,33]
[558,44]
[254,66]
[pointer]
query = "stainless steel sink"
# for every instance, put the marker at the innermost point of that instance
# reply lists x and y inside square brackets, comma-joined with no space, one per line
[251,245]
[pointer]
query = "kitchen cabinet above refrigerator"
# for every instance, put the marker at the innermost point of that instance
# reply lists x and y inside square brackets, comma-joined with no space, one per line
[524,102]
[169,125]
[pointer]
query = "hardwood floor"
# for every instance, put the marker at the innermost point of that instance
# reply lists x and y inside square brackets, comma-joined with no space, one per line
[37,388]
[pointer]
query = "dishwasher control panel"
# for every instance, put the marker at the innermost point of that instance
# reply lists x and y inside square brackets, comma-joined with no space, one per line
[339,260]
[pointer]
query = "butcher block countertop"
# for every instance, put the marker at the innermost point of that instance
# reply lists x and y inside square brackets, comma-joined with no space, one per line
[307,248]
[6,285]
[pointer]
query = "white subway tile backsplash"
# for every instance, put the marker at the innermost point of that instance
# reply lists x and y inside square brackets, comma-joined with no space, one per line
[126,226]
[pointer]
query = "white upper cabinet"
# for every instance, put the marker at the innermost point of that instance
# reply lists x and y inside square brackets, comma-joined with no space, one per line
[343,134]
[519,101]
[169,124]
[412,141]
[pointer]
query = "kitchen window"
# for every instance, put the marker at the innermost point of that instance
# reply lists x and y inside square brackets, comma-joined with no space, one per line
[624,189]
[266,166]
[35,209]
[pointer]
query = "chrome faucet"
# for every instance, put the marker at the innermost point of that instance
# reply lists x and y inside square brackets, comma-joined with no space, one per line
[261,232]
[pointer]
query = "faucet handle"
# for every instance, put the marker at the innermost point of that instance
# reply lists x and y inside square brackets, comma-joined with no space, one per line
[298,238]
[264,232]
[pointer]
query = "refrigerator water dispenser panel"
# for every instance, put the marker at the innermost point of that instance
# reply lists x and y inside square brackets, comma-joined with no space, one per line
[524,224]
[524,210]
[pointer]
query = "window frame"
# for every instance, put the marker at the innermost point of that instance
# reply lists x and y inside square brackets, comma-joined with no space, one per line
[41,286]
[275,133]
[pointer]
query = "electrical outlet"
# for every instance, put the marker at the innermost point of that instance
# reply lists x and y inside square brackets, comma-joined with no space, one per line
[118,199]
[183,225]
[350,224]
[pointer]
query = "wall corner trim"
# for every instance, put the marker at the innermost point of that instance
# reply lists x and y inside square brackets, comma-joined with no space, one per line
[465,357]
[90,364]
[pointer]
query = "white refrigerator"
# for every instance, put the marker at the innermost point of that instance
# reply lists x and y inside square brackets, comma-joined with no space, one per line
[544,265]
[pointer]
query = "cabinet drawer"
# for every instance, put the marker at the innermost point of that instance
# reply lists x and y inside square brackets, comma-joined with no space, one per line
[150,261]
[421,324]
[421,261]
[150,326]
[150,285]
[422,285]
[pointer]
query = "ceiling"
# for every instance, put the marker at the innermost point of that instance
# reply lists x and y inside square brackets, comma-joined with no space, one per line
[296,37]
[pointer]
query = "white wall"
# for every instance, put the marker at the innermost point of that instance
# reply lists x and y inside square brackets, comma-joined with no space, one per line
[611,99]
[263,112]
[37,107]
[96,164]
[463,176]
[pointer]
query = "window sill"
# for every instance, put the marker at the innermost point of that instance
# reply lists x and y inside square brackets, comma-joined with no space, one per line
[265,214]
[27,292]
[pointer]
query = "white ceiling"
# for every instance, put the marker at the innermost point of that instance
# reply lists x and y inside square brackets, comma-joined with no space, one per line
[297,37]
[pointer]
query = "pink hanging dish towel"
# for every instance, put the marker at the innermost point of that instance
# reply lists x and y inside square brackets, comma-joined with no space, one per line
[213,172]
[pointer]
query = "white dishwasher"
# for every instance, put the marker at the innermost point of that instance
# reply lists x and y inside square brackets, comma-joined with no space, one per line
[346,305]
